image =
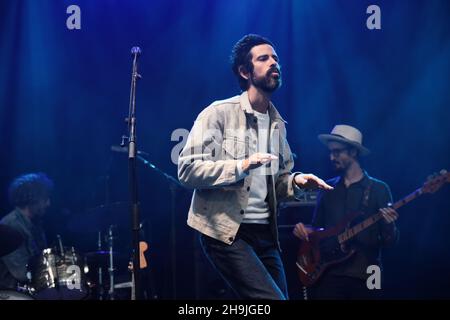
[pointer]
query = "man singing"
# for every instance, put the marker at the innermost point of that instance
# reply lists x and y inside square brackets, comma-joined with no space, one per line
[239,163]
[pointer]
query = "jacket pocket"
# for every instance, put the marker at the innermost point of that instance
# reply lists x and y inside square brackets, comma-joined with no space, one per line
[233,148]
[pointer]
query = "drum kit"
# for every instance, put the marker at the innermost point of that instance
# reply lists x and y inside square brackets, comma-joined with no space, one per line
[64,273]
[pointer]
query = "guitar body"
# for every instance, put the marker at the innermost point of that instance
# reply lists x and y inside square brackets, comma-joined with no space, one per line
[322,251]
[317,254]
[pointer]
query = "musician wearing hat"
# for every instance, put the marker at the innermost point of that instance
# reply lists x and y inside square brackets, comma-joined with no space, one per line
[30,196]
[354,192]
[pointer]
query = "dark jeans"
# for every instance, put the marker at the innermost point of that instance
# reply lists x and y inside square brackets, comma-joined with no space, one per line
[334,287]
[252,265]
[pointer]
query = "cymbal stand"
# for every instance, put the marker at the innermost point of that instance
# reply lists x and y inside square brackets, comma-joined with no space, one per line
[100,270]
[111,264]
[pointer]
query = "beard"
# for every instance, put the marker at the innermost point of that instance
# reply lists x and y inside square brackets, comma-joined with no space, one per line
[268,83]
[338,167]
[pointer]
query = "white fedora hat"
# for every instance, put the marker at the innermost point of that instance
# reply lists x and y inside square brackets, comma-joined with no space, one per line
[345,134]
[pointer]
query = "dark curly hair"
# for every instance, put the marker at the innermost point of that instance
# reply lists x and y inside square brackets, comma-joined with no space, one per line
[29,189]
[241,56]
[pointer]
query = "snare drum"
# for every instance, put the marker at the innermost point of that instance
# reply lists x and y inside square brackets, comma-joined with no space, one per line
[56,276]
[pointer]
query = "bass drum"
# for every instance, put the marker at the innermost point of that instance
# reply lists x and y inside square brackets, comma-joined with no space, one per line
[14,295]
[55,276]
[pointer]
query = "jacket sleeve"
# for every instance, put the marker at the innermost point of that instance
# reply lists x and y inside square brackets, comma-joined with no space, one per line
[200,165]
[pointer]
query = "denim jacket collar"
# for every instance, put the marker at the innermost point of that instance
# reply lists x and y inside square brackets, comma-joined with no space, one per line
[247,108]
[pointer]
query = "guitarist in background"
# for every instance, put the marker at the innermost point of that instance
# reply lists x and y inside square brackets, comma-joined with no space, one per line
[354,191]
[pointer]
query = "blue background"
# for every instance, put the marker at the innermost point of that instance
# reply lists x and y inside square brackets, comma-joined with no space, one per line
[64,96]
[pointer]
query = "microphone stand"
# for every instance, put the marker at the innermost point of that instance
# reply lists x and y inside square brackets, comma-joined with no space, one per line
[174,184]
[132,174]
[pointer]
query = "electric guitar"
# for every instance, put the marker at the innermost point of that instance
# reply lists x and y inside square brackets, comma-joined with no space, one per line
[327,247]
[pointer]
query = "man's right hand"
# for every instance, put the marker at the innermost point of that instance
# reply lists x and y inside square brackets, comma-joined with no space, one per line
[256,160]
[302,232]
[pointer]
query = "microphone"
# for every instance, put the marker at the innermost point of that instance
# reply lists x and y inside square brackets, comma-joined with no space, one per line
[125,150]
[136,51]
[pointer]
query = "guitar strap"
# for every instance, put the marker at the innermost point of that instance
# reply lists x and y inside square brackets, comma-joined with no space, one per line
[366,196]
[365,201]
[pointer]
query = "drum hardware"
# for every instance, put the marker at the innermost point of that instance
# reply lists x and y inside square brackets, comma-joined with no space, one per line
[305,293]
[111,263]
[53,276]
[124,285]
[100,271]
[14,295]
[61,248]
[61,251]
[102,265]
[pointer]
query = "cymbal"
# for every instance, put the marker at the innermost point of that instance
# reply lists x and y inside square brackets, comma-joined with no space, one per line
[101,218]
[10,240]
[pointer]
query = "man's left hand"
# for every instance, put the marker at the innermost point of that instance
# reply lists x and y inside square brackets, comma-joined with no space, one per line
[310,181]
[389,215]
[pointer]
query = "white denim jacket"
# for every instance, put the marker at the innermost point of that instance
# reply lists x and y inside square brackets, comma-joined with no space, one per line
[222,136]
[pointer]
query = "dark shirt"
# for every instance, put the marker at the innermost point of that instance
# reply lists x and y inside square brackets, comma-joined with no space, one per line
[13,267]
[333,206]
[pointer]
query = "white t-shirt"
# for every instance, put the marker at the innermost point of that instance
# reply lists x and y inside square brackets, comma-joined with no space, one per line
[258,210]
